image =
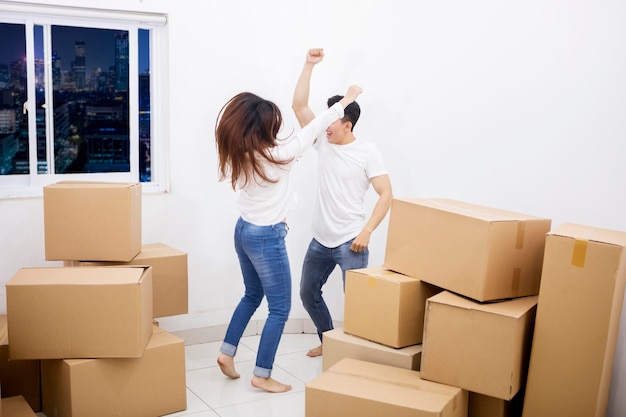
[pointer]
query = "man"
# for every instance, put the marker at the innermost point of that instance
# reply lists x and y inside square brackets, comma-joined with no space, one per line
[347,166]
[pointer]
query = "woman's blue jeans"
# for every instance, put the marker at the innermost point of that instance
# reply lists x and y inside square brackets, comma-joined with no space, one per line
[265,268]
[319,262]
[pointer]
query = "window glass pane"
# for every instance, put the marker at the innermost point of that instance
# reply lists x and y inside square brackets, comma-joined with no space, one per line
[90,84]
[144,106]
[40,98]
[13,119]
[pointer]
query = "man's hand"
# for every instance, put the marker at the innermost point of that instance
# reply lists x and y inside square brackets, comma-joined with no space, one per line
[359,244]
[315,55]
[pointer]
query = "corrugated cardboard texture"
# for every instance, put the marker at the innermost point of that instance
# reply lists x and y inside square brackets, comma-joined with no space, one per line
[354,388]
[86,312]
[92,221]
[385,307]
[580,302]
[339,345]
[169,277]
[480,252]
[16,407]
[152,385]
[482,348]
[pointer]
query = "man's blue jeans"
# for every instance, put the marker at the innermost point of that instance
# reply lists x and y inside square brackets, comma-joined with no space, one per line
[265,268]
[319,262]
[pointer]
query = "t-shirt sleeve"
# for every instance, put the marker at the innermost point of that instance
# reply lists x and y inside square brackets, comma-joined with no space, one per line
[375,164]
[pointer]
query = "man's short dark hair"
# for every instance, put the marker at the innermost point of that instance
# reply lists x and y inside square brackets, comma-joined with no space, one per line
[351,113]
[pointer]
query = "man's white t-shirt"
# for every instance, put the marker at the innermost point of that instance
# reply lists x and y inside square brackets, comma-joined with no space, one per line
[344,173]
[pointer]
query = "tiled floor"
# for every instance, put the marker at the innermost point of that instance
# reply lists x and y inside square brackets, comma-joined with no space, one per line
[211,394]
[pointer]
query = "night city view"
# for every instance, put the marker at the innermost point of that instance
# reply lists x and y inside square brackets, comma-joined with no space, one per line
[88,103]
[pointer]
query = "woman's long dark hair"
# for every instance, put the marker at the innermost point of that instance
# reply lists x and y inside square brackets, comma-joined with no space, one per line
[246,129]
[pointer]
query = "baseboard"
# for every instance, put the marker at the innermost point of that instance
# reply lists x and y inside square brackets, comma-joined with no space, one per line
[255,327]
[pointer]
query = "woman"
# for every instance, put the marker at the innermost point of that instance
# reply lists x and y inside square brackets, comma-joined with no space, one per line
[258,165]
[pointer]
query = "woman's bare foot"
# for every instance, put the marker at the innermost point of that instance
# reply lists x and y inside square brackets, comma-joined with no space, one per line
[269,384]
[227,365]
[315,352]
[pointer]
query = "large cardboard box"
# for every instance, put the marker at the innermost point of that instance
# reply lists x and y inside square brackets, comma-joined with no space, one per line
[16,406]
[169,277]
[580,302]
[481,252]
[338,345]
[480,347]
[92,221]
[87,312]
[385,307]
[354,388]
[152,385]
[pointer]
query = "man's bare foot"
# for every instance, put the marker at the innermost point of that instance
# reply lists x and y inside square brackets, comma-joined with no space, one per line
[227,365]
[315,352]
[269,384]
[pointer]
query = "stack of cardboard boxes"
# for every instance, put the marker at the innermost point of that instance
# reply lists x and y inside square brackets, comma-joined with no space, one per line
[520,318]
[459,282]
[90,324]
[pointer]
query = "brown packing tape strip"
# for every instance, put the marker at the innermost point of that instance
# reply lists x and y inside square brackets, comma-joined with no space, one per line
[521,229]
[579,253]
[371,282]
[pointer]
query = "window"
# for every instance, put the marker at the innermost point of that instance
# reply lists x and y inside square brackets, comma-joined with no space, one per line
[77,97]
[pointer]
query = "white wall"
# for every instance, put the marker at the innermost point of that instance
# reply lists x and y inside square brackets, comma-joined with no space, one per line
[515,105]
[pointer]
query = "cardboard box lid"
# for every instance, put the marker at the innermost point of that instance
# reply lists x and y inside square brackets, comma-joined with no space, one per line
[88,275]
[16,406]
[339,335]
[390,384]
[515,307]
[485,213]
[383,273]
[591,234]
[92,184]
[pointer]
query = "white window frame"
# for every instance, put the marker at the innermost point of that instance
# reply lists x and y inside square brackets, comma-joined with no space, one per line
[31,185]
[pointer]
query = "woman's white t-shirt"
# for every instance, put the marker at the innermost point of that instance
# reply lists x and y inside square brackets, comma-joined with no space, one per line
[264,203]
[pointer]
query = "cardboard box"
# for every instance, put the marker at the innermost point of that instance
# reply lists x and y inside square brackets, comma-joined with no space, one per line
[152,385]
[385,307]
[580,302]
[481,252]
[87,312]
[482,348]
[169,277]
[16,406]
[354,388]
[92,221]
[485,406]
[338,345]
[18,377]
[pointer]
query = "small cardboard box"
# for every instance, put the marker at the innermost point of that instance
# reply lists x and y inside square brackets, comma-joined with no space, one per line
[385,307]
[338,345]
[354,388]
[16,406]
[481,252]
[152,385]
[92,221]
[169,277]
[19,377]
[580,302]
[87,312]
[482,348]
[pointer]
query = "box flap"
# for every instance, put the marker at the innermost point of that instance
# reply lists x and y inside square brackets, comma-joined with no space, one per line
[88,275]
[515,307]
[589,233]
[485,213]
